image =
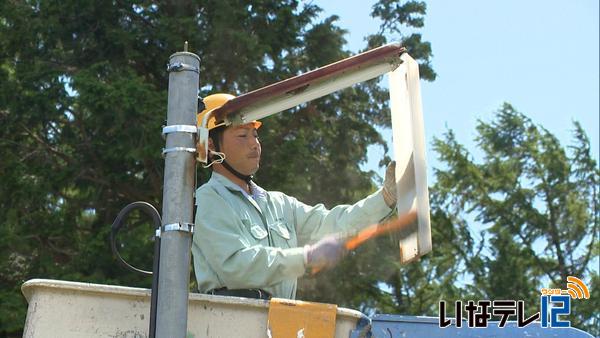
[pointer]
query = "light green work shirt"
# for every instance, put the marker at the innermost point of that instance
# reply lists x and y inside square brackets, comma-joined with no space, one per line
[244,241]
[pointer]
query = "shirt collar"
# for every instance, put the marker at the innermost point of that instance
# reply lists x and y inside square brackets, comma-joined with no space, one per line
[257,191]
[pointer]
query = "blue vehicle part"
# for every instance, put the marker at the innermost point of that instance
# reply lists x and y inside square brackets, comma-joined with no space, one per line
[363,328]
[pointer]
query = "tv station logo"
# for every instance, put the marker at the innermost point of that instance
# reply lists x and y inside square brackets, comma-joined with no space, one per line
[554,303]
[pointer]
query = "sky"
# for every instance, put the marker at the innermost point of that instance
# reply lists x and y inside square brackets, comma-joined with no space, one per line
[540,56]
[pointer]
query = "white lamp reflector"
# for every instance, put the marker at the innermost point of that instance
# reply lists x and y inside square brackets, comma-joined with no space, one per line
[409,152]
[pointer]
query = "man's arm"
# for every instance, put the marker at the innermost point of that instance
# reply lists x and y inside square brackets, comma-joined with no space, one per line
[315,222]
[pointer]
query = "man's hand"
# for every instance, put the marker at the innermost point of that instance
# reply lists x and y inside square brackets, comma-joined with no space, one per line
[325,254]
[389,185]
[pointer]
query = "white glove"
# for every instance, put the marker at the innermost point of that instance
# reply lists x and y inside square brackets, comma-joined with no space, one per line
[325,254]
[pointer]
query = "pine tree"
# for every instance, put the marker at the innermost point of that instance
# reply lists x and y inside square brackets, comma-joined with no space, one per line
[536,204]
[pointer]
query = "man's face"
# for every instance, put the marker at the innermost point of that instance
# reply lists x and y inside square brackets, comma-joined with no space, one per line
[242,148]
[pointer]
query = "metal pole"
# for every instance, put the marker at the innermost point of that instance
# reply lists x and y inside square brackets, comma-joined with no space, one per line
[177,213]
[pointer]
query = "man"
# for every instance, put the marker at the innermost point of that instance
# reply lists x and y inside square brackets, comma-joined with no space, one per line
[249,242]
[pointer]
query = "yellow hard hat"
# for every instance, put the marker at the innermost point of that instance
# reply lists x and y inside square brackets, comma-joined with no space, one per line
[212,102]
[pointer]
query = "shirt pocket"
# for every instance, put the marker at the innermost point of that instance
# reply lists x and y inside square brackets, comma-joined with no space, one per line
[257,232]
[282,236]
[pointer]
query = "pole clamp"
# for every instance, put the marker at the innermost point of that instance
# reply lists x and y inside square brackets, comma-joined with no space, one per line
[180,128]
[182,226]
[175,149]
[180,66]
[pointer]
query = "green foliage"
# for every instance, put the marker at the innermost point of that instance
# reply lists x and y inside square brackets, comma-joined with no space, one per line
[398,17]
[521,217]
[536,205]
[83,93]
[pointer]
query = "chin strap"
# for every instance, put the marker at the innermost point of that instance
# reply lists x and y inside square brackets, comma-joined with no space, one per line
[246,178]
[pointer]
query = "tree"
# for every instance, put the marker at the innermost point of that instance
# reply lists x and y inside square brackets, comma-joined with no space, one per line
[83,97]
[522,217]
[536,204]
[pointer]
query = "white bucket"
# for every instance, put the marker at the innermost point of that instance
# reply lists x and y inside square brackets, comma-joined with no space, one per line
[71,309]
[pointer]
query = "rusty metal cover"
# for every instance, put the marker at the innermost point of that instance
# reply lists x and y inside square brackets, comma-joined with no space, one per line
[301,82]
